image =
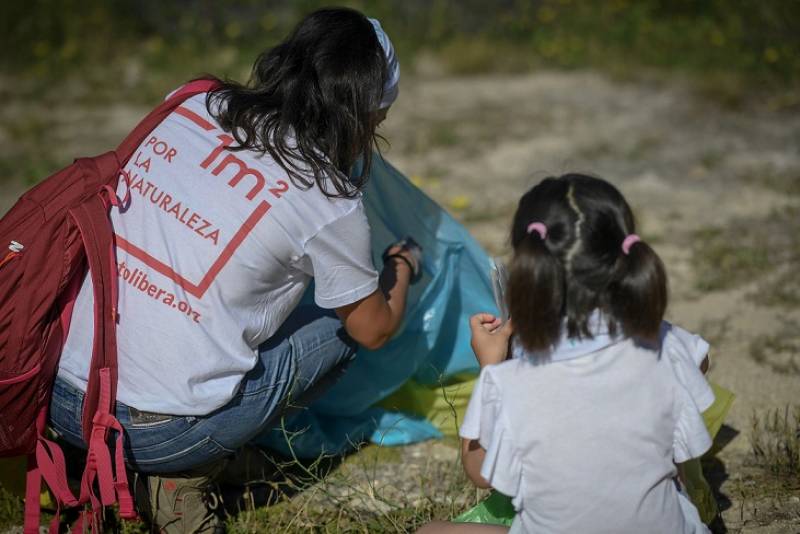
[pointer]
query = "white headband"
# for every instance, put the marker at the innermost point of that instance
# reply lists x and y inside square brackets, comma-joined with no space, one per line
[391,87]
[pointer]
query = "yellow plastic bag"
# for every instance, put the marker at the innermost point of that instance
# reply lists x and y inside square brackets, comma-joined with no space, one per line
[692,472]
[442,405]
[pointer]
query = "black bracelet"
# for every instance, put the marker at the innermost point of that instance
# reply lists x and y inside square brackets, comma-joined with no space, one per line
[403,258]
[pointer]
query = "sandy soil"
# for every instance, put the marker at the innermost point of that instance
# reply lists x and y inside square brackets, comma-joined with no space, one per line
[686,165]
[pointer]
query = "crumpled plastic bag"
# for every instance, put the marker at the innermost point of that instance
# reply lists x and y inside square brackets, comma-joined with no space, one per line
[432,345]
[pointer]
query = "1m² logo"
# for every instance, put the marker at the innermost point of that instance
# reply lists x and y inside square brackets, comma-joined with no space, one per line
[198,289]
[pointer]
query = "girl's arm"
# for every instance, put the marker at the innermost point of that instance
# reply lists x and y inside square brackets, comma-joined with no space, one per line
[472,455]
[490,338]
[705,364]
[490,341]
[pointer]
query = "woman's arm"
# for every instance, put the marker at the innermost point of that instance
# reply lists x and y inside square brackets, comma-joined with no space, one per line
[373,320]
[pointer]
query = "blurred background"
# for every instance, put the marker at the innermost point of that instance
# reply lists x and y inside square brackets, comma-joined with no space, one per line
[111,45]
[95,51]
[691,107]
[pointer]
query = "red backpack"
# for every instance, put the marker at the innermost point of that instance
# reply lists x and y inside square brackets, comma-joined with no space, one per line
[55,233]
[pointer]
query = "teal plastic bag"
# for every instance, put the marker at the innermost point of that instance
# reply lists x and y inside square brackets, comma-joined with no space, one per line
[431,346]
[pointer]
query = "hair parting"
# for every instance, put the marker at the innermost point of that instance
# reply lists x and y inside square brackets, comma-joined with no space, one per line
[576,243]
[580,268]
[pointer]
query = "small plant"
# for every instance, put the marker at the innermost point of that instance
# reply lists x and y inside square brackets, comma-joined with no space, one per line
[781,290]
[747,250]
[781,350]
[373,489]
[723,261]
[782,181]
[10,509]
[775,439]
[715,330]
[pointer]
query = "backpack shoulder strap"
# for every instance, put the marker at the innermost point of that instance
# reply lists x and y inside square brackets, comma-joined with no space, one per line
[91,217]
[154,118]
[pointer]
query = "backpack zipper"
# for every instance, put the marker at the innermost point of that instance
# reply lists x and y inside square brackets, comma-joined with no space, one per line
[10,256]
[16,250]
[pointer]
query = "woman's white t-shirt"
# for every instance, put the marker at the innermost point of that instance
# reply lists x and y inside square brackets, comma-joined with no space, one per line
[589,444]
[214,250]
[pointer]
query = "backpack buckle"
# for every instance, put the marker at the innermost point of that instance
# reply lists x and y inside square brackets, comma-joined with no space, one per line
[16,247]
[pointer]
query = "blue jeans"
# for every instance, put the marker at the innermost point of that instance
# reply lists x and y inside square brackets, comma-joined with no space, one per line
[307,354]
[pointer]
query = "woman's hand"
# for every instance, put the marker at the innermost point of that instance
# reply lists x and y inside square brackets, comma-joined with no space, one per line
[490,338]
[411,259]
[372,321]
[408,251]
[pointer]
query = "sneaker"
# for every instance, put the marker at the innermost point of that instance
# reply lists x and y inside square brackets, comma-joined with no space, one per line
[248,480]
[181,504]
[250,465]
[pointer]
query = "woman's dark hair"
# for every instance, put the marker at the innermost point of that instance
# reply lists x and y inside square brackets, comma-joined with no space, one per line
[311,100]
[580,266]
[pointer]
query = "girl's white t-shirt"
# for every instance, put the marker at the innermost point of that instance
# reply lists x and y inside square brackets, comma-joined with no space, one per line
[589,444]
[214,249]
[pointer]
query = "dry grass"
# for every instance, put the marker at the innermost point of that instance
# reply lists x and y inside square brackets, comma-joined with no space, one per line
[775,438]
[781,350]
[374,489]
[744,250]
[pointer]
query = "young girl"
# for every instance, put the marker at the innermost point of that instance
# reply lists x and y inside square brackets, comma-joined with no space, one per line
[584,425]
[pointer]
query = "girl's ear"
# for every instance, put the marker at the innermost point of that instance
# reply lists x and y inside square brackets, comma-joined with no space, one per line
[638,296]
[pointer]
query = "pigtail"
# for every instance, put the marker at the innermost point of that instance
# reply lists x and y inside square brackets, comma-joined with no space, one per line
[536,293]
[638,294]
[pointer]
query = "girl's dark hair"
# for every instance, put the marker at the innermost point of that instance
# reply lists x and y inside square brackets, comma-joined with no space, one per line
[311,100]
[580,266]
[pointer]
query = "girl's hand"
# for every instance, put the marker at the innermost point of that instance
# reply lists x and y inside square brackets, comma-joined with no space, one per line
[490,338]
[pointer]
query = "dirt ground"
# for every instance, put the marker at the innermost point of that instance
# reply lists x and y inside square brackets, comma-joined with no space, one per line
[716,191]
[689,168]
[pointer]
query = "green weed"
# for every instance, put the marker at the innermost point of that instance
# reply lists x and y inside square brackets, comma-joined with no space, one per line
[715,330]
[644,148]
[443,134]
[781,181]
[781,350]
[775,441]
[722,262]
[374,489]
[728,52]
[745,250]
[711,159]
[11,507]
[781,290]
[27,168]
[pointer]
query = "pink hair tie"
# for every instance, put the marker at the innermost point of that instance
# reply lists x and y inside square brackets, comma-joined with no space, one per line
[539,228]
[628,242]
